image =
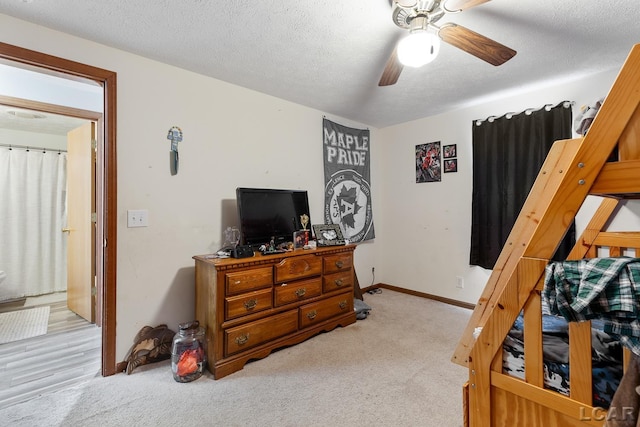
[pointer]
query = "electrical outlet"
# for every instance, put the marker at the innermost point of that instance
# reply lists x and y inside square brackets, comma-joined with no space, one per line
[459,282]
[137,218]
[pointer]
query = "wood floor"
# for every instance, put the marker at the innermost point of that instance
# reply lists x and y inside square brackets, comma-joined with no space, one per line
[68,354]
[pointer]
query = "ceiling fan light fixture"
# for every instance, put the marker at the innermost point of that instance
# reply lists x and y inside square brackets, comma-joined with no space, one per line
[418,48]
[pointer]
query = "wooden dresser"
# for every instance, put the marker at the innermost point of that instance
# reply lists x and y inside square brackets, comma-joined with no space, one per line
[251,306]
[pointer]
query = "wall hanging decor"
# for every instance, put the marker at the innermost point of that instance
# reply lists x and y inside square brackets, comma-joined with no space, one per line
[449,151]
[428,167]
[450,165]
[175,136]
[347,177]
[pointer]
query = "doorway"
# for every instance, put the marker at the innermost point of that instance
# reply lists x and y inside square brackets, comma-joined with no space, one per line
[106,183]
[49,159]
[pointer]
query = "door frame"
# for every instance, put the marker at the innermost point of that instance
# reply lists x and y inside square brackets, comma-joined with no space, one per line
[106,186]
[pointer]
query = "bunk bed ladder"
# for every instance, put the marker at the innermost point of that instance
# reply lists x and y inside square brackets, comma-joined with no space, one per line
[573,169]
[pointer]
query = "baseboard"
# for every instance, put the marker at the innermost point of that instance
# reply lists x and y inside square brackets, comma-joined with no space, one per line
[14,301]
[12,304]
[419,294]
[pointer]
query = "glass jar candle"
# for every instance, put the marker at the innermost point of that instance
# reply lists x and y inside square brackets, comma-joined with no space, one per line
[188,355]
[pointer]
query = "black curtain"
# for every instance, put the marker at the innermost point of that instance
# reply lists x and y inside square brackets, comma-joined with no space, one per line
[507,156]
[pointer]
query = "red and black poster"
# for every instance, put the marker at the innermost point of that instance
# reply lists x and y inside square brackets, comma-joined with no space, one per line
[347,191]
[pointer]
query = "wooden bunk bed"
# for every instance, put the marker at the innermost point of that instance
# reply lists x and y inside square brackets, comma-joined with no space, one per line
[573,170]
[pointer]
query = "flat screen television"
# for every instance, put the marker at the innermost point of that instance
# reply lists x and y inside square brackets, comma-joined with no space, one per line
[270,213]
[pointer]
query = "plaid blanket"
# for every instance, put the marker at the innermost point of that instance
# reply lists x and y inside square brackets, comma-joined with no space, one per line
[605,288]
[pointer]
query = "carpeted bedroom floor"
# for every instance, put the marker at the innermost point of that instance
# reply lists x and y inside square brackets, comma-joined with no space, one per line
[391,369]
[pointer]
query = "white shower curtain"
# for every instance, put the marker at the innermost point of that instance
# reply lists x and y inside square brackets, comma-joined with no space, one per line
[33,248]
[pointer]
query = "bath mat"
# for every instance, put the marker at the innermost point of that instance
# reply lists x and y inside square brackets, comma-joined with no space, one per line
[22,324]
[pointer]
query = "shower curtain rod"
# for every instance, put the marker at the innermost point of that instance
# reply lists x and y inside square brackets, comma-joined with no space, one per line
[28,148]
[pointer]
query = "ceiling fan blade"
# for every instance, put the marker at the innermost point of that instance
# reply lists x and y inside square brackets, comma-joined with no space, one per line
[459,5]
[476,44]
[392,70]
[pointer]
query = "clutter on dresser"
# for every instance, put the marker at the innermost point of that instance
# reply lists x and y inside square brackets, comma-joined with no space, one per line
[328,235]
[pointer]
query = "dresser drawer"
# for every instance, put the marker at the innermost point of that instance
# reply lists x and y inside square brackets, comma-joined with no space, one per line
[341,280]
[297,291]
[255,333]
[298,267]
[248,280]
[340,262]
[322,310]
[240,305]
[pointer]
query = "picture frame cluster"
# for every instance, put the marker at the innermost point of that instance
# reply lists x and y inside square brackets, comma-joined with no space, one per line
[450,157]
[432,159]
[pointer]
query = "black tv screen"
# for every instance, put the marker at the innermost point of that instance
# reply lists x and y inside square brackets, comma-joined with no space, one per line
[267,214]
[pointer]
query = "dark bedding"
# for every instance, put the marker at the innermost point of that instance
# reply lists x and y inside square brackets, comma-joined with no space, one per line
[606,357]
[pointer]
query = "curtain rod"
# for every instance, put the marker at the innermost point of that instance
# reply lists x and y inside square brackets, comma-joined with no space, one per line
[29,148]
[528,111]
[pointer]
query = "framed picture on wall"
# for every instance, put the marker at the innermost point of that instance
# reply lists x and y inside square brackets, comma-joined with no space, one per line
[450,165]
[449,151]
[428,166]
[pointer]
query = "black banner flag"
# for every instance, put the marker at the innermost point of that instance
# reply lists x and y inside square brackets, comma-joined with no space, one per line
[347,190]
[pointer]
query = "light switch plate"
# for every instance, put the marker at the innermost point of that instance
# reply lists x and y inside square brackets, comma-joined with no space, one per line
[137,218]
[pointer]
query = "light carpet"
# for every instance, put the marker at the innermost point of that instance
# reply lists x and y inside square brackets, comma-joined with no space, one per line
[391,369]
[23,324]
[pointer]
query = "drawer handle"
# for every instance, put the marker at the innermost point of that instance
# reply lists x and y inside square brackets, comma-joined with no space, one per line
[342,304]
[300,292]
[339,264]
[338,282]
[242,339]
[312,314]
[250,304]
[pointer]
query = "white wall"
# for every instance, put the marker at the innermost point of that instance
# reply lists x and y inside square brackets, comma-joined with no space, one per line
[427,226]
[32,139]
[232,137]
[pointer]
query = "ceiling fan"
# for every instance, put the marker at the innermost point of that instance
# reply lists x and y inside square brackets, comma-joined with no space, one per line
[420,17]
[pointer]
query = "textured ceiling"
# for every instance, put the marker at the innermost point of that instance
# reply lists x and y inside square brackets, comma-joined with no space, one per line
[35,121]
[329,54]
